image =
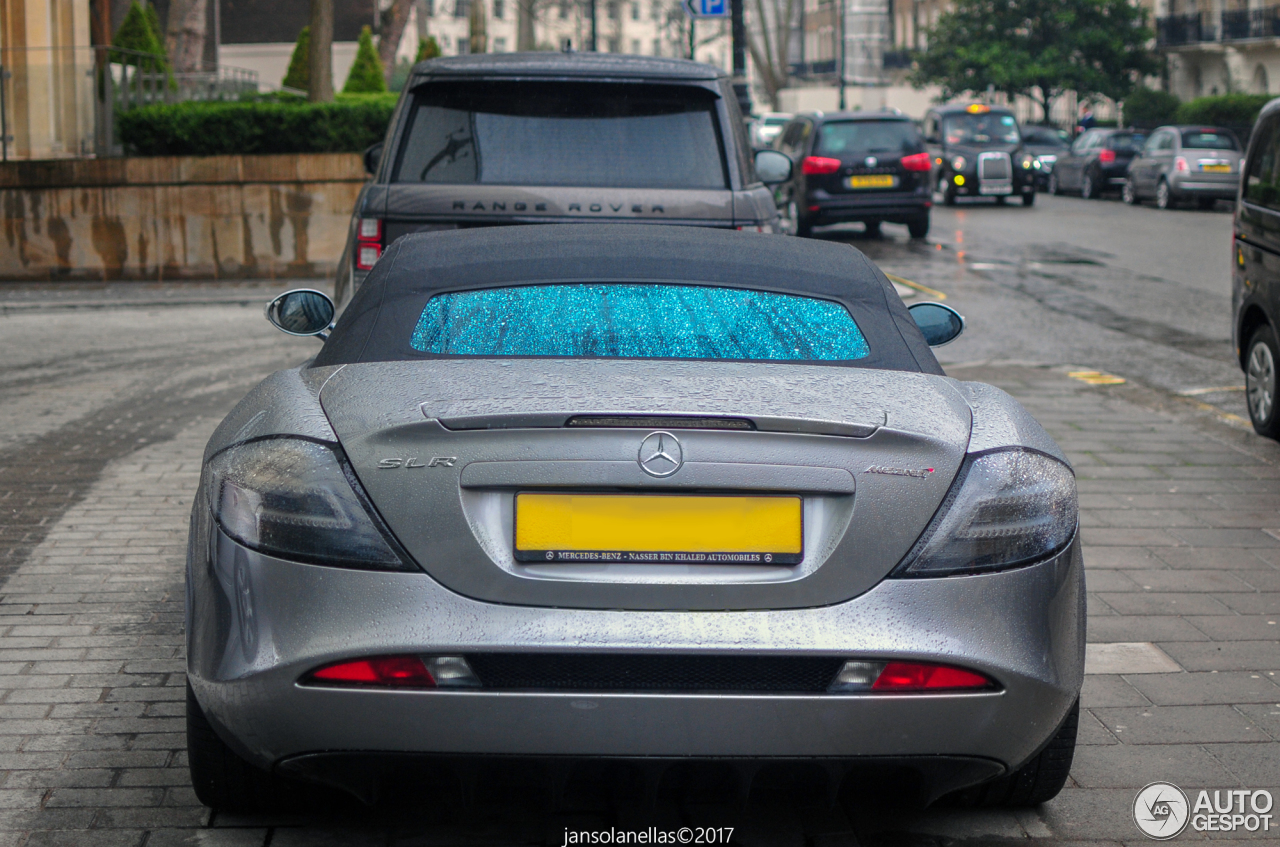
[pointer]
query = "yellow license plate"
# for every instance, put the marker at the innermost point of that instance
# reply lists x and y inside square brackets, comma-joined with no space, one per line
[1216,169]
[872,181]
[658,529]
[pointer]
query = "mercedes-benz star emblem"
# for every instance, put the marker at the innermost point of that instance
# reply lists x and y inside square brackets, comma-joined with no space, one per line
[660,454]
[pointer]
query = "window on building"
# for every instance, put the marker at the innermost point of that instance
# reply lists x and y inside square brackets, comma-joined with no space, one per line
[613,12]
[657,46]
[564,9]
[464,45]
[429,7]
[461,9]
[655,11]
[499,8]
[613,46]
[499,45]
[635,13]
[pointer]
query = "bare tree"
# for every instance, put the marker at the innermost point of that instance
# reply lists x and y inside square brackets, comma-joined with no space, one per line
[479,22]
[321,54]
[526,14]
[769,38]
[185,34]
[394,21]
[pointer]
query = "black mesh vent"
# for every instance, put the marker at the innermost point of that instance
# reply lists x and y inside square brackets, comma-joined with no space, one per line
[613,672]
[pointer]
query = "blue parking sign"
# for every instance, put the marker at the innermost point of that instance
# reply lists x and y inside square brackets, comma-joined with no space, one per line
[707,8]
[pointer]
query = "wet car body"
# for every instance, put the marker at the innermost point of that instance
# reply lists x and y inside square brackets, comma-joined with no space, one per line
[520,138]
[978,152]
[1047,144]
[1182,163]
[1097,162]
[866,167]
[416,554]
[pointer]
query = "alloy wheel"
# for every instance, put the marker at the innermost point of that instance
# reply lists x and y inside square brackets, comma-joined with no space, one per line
[1163,198]
[1260,381]
[1086,187]
[1053,184]
[1127,194]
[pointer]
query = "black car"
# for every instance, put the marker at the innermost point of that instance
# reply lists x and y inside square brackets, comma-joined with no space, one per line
[1255,267]
[866,167]
[519,138]
[978,152]
[1097,162]
[1047,144]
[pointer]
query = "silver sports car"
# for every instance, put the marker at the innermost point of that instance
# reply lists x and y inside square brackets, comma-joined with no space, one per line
[637,496]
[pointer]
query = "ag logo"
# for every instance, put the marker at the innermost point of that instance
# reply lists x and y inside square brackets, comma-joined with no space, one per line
[1161,811]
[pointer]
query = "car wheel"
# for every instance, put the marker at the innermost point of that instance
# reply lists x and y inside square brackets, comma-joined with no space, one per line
[1087,188]
[1029,199]
[918,226]
[1054,187]
[226,782]
[949,195]
[789,216]
[1260,382]
[1036,782]
[1164,197]
[1206,203]
[1128,195]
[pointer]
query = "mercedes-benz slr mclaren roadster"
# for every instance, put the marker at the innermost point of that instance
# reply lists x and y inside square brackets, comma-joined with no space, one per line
[631,496]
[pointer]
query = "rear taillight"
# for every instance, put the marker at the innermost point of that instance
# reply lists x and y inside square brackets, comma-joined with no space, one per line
[890,677]
[1180,165]
[819,165]
[753,228]
[397,672]
[368,242]
[916,162]
[1107,157]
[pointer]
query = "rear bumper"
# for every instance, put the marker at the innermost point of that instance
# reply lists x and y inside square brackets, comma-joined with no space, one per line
[895,207]
[1206,188]
[256,624]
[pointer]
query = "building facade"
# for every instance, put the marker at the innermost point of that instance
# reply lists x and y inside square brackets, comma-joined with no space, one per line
[1219,46]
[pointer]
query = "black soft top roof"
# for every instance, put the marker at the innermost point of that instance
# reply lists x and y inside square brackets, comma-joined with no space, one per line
[378,324]
[560,65]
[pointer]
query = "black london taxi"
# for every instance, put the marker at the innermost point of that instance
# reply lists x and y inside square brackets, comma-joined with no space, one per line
[978,152]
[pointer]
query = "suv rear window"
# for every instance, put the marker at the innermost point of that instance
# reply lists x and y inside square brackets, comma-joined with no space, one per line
[839,137]
[1126,142]
[563,134]
[622,320]
[1208,139]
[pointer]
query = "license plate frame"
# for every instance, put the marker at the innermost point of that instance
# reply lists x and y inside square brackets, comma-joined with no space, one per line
[862,182]
[997,189]
[657,529]
[1215,169]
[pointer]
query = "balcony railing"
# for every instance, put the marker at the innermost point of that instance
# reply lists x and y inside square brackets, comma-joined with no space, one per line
[826,67]
[1236,25]
[1251,23]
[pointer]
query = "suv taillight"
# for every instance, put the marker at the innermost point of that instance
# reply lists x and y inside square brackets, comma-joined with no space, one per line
[916,162]
[368,242]
[1107,157]
[812,165]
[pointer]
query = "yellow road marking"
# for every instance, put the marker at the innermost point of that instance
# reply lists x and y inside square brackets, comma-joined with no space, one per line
[917,286]
[1096,378]
[1196,392]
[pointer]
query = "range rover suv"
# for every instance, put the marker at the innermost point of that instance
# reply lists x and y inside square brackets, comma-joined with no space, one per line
[519,138]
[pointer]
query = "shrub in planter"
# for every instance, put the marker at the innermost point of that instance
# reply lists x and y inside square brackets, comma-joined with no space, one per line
[1147,108]
[347,125]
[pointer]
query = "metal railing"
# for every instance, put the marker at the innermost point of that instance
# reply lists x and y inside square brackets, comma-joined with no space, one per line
[1251,23]
[1180,29]
[63,101]
[1231,25]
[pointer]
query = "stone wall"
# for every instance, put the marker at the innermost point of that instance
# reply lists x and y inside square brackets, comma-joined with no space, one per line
[164,218]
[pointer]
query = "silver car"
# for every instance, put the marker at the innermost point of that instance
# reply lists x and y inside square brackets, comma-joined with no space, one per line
[1185,163]
[635,495]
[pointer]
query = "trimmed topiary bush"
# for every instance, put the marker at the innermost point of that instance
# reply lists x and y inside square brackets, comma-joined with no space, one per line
[347,125]
[428,48]
[138,32]
[299,73]
[1147,108]
[366,75]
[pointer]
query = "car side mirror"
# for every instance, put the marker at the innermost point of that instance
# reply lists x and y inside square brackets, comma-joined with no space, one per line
[938,323]
[372,158]
[772,167]
[302,311]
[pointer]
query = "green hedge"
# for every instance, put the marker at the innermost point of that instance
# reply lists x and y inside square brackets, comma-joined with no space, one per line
[280,125]
[1236,112]
[1147,108]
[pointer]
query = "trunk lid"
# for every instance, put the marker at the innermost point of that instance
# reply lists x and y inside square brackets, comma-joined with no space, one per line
[442,447]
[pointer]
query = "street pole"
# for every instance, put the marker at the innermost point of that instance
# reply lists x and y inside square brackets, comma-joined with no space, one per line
[842,53]
[692,39]
[591,6]
[740,85]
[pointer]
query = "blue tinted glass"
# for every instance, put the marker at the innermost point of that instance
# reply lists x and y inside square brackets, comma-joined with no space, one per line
[638,321]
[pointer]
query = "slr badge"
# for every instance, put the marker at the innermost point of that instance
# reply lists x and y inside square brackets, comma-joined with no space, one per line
[660,454]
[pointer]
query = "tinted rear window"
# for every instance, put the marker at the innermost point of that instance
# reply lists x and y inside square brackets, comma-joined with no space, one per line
[1208,139]
[619,320]
[868,137]
[1126,142]
[1043,137]
[563,134]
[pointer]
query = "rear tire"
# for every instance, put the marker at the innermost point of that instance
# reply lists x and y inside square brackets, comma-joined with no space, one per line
[1164,197]
[918,226]
[226,782]
[872,229]
[1128,195]
[1036,782]
[1029,199]
[1054,188]
[1088,189]
[1260,368]
[1206,203]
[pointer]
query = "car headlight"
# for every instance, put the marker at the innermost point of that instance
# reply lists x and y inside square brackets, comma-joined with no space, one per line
[296,499]
[958,163]
[1028,161]
[1005,509]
